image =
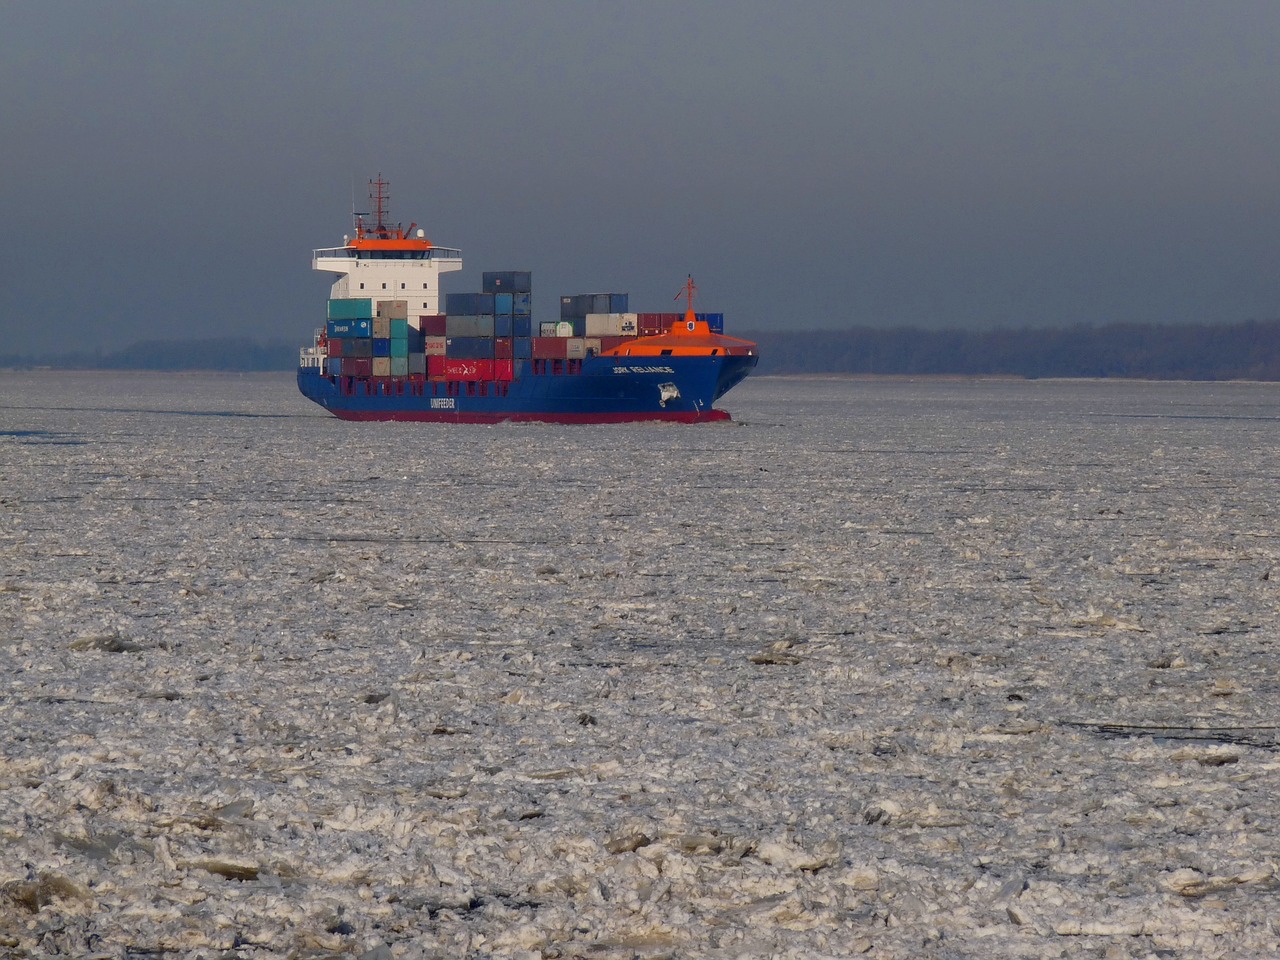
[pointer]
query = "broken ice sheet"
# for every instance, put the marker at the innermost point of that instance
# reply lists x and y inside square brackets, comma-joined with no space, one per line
[878,665]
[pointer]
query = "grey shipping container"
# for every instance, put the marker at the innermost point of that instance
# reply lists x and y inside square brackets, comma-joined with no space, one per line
[392,309]
[468,325]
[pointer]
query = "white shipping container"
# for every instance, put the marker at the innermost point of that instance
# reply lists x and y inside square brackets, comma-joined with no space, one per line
[612,324]
[433,346]
[575,348]
[564,329]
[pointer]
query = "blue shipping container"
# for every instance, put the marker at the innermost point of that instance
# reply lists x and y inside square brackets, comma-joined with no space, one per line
[468,304]
[522,326]
[333,366]
[522,348]
[503,303]
[360,308]
[349,328]
[522,304]
[381,346]
[506,281]
[713,320]
[502,325]
[617,303]
[469,348]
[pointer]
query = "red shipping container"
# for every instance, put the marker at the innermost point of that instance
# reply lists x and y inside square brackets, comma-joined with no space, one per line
[457,369]
[435,365]
[608,343]
[653,324]
[504,369]
[549,348]
[502,348]
[432,325]
[359,366]
[335,347]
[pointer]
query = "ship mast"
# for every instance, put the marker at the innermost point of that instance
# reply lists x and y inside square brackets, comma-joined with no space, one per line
[688,291]
[380,199]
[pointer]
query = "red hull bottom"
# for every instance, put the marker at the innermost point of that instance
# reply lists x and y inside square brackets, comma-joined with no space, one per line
[455,416]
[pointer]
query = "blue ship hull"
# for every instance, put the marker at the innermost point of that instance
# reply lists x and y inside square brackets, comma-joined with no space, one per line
[608,389]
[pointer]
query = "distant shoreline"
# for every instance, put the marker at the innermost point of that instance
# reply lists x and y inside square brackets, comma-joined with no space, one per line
[1245,351]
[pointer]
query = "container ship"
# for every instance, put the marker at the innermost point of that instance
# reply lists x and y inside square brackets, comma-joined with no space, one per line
[389,352]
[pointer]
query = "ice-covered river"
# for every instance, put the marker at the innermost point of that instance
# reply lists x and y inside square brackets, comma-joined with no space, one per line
[894,669]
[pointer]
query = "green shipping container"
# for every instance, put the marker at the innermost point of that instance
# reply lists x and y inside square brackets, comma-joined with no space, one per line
[399,366]
[399,348]
[360,308]
[399,329]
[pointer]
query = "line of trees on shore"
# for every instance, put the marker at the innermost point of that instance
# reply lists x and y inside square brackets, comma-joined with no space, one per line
[1249,350]
[241,354]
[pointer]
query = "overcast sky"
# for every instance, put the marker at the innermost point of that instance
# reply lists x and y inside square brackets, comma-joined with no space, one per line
[168,167]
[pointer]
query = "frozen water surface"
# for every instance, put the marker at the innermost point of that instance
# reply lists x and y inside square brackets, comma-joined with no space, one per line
[956,669]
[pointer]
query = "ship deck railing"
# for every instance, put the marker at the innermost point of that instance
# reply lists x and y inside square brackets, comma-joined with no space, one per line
[350,253]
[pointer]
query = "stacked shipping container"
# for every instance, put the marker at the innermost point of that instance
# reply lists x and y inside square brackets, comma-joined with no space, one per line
[370,338]
[482,336]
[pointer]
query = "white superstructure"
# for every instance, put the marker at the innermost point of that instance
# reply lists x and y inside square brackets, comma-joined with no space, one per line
[383,262]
